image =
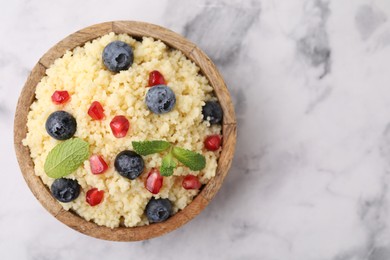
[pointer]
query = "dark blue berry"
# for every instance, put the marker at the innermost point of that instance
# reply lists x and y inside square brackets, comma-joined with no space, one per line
[65,190]
[160,99]
[129,164]
[61,125]
[212,111]
[158,210]
[118,56]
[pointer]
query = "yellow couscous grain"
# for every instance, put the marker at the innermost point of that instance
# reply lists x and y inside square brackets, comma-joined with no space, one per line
[81,72]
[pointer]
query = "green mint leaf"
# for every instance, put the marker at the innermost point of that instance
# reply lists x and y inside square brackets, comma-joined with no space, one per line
[66,157]
[150,147]
[192,160]
[168,165]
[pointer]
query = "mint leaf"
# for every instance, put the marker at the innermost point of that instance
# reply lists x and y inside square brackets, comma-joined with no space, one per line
[66,157]
[192,160]
[149,147]
[168,165]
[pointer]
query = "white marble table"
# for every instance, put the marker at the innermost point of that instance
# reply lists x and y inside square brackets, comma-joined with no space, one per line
[311,84]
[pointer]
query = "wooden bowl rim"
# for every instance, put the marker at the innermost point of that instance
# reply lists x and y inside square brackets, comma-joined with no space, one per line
[134,29]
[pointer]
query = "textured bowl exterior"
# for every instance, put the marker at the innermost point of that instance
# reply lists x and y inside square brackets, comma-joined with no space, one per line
[134,29]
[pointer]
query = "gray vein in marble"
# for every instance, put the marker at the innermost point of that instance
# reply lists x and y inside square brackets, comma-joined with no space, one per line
[384,147]
[319,98]
[370,212]
[223,37]
[368,19]
[380,253]
[376,29]
[249,163]
[242,228]
[314,45]
[240,101]
[383,39]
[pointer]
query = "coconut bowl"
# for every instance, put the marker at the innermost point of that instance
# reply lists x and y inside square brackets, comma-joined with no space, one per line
[136,30]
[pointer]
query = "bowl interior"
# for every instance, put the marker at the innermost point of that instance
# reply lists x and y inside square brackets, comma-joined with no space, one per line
[134,29]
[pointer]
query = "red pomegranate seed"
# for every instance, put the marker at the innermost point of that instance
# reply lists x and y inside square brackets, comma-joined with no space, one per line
[154,181]
[156,78]
[98,165]
[212,142]
[60,97]
[96,111]
[191,182]
[119,126]
[94,196]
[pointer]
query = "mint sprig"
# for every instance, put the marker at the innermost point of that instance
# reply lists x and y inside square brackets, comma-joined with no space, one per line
[194,161]
[150,147]
[167,165]
[66,157]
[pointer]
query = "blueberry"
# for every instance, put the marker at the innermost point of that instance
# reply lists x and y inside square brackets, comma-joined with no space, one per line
[61,125]
[160,99]
[118,56]
[65,190]
[158,210]
[129,164]
[212,111]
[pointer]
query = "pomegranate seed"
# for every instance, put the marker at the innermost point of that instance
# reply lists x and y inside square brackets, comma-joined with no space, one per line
[98,165]
[119,126]
[212,142]
[191,182]
[96,111]
[154,181]
[94,196]
[156,78]
[60,97]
